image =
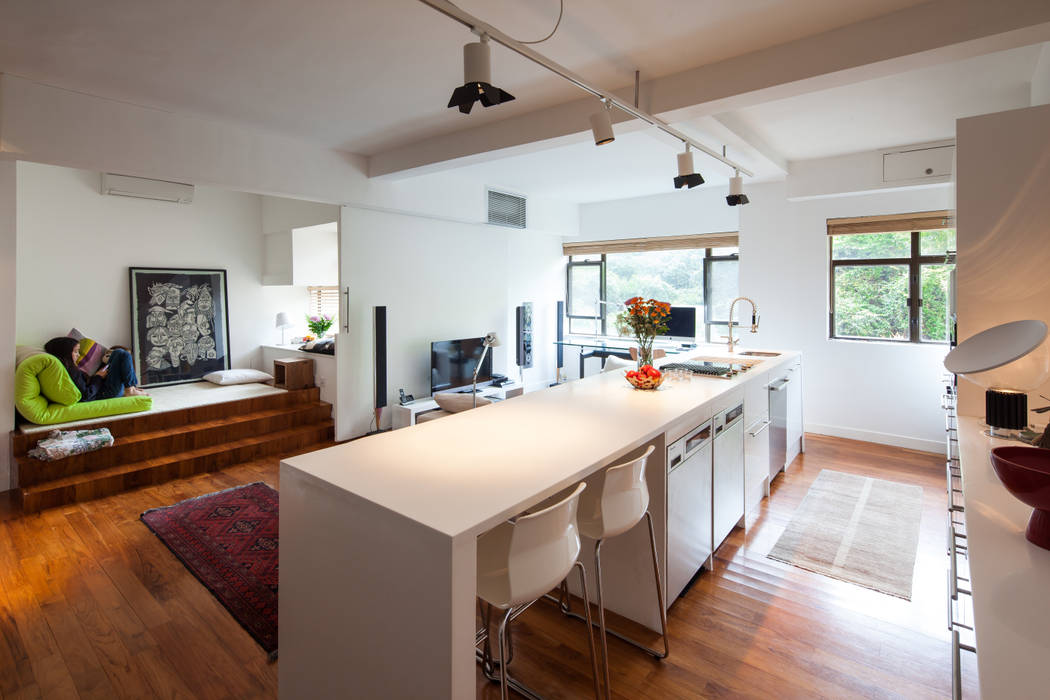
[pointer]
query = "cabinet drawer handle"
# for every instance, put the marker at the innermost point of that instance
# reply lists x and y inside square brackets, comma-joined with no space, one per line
[754,433]
[780,387]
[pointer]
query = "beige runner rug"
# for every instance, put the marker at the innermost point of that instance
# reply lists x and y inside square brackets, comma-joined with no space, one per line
[856,529]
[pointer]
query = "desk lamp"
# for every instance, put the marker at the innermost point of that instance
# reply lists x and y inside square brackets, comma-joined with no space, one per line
[1008,360]
[283,322]
[491,341]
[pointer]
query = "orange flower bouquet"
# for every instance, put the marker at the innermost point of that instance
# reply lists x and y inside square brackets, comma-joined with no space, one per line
[644,319]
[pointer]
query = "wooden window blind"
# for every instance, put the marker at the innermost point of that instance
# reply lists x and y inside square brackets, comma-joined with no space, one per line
[918,221]
[729,239]
[324,300]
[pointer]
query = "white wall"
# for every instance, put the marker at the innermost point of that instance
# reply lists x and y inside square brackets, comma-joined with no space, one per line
[684,212]
[280,214]
[315,254]
[879,392]
[1004,229]
[1040,88]
[75,247]
[439,280]
[8,290]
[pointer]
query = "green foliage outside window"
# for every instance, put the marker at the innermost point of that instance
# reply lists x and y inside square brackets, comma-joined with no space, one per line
[871,300]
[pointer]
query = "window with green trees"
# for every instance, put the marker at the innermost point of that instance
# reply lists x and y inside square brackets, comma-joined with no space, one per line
[597,285]
[892,285]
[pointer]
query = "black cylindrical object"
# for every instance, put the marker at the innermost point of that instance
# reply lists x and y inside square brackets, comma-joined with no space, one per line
[1006,409]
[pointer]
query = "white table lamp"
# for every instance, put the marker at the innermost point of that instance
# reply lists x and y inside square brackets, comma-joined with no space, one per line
[491,341]
[283,322]
[1007,360]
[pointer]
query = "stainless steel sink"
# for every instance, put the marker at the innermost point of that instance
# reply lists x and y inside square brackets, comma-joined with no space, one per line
[759,353]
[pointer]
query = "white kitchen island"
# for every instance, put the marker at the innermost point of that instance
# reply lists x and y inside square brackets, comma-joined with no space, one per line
[378,536]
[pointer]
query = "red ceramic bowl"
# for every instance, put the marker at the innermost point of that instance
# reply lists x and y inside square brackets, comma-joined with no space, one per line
[1025,472]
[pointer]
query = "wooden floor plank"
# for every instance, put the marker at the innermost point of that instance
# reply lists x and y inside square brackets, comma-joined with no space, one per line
[92,603]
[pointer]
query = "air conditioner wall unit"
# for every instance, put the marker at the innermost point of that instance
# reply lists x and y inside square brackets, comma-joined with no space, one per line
[145,188]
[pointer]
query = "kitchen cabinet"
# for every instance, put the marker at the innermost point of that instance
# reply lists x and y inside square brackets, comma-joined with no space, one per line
[728,473]
[786,439]
[756,462]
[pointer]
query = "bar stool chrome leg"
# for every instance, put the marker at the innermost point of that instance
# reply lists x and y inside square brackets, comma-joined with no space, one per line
[564,604]
[489,665]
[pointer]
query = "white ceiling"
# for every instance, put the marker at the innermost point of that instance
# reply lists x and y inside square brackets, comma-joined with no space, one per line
[913,107]
[366,76]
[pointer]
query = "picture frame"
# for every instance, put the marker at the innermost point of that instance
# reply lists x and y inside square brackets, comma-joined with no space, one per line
[180,326]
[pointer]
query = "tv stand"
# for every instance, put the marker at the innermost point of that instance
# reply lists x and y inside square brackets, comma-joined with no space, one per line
[404,415]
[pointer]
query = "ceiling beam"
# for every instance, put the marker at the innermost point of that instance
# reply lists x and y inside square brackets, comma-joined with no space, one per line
[745,133]
[923,35]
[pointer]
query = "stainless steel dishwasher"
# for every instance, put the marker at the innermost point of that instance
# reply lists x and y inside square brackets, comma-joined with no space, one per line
[778,408]
[689,541]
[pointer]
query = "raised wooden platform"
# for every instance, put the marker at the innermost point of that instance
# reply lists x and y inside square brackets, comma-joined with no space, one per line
[154,447]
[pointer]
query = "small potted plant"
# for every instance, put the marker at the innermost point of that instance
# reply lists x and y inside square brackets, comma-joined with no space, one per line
[319,323]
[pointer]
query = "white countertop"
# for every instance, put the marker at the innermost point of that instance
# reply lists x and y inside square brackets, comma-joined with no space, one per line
[467,472]
[1009,577]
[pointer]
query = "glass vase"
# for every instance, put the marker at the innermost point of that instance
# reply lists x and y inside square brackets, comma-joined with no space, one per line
[645,352]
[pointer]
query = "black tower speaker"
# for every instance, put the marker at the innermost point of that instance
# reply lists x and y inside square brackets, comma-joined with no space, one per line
[524,323]
[380,358]
[561,334]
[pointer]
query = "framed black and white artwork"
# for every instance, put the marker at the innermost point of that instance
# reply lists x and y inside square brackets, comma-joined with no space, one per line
[179,324]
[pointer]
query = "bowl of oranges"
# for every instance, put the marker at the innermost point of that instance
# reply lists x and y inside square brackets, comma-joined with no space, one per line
[645,377]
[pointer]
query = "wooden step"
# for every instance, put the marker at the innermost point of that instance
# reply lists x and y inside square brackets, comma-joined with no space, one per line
[124,477]
[165,441]
[149,421]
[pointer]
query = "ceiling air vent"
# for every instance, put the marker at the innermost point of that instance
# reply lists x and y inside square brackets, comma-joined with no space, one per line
[506,209]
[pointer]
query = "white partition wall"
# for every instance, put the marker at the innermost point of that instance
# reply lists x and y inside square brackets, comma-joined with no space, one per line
[8,246]
[440,280]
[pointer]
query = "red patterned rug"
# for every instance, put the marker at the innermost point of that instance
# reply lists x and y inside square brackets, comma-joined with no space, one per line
[228,540]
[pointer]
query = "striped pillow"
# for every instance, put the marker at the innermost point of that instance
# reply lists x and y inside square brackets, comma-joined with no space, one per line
[91,352]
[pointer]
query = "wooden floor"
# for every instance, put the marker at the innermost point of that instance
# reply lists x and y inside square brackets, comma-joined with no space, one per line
[93,605]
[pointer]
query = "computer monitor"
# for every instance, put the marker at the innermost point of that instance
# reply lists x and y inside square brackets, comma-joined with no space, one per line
[681,325]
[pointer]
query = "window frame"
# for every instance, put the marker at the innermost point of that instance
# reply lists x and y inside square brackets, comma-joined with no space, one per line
[600,264]
[914,262]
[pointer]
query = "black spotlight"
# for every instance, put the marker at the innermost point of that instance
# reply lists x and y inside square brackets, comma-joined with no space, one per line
[736,192]
[687,175]
[477,79]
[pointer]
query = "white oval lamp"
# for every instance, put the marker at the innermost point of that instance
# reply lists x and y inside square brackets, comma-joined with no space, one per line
[1007,360]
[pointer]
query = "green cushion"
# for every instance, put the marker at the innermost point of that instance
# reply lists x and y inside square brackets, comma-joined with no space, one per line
[45,395]
[44,374]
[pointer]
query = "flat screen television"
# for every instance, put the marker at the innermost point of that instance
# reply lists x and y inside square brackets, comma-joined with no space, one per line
[452,364]
[681,324]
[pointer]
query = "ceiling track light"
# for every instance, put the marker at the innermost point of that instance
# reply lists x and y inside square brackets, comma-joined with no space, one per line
[477,79]
[488,31]
[736,191]
[687,175]
[601,125]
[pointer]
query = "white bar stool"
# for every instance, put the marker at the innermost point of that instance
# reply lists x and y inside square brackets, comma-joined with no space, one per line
[621,504]
[520,561]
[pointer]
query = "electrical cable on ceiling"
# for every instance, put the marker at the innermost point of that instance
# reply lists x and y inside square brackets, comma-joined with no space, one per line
[561,11]
[557,23]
